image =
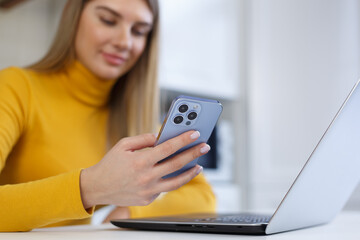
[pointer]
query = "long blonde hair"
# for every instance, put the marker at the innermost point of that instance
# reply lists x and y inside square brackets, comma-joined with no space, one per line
[134,100]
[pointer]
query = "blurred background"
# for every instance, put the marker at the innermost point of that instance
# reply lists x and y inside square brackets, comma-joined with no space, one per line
[281,68]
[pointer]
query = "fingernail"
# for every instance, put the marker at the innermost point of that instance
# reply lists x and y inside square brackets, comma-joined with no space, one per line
[205,149]
[199,170]
[195,135]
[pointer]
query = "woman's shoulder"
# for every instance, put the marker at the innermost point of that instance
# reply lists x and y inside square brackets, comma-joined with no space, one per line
[18,77]
[14,75]
[16,80]
[13,70]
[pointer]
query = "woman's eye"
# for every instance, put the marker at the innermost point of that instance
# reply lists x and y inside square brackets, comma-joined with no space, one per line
[140,32]
[108,22]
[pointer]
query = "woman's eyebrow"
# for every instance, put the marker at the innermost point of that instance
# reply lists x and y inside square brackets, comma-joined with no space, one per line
[109,10]
[145,24]
[142,23]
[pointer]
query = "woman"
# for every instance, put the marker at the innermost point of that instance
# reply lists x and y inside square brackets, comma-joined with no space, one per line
[95,90]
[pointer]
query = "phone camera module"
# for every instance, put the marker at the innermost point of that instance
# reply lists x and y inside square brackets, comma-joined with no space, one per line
[183,108]
[192,115]
[178,119]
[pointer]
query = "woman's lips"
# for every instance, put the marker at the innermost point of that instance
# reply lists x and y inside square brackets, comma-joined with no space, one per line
[113,59]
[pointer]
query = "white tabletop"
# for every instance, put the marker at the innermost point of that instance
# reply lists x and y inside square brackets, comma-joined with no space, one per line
[345,226]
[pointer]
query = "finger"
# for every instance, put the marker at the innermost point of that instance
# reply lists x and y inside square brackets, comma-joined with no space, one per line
[180,160]
[138,142]
[172,145]
[170,184]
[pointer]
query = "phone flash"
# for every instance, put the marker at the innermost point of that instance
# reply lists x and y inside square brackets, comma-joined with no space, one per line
[196,106]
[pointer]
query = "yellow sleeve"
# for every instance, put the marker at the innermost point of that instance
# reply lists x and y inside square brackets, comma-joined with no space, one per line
[194,197]
[34,204]
[14,110]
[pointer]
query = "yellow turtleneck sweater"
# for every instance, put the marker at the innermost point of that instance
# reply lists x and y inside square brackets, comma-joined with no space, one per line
[52,126]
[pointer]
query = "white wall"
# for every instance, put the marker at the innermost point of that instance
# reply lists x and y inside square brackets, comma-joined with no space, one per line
[303,58]
[200,47]
[26,31]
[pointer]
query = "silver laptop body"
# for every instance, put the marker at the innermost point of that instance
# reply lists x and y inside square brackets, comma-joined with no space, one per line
[317,195]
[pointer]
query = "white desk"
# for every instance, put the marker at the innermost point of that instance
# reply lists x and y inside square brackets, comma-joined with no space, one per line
[345,226]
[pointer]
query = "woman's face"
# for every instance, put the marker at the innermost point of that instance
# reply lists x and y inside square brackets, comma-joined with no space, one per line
[112,35]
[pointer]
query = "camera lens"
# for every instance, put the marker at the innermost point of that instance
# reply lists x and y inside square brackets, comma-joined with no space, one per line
[183,108]
[192,115]
[178,119]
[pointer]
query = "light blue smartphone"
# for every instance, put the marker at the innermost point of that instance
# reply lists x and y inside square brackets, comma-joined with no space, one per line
[189,113]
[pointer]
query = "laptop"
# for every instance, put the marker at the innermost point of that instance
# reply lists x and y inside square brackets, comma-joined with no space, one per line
[317,195]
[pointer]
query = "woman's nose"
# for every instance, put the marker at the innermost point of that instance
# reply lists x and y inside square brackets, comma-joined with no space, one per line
[123,39]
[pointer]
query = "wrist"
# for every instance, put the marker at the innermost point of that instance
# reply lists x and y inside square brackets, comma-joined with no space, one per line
[87,191]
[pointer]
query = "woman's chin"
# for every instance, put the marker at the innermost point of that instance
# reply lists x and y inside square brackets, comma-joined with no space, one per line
[109,73]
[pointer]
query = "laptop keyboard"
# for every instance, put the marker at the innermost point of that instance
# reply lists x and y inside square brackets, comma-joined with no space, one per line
[244,218]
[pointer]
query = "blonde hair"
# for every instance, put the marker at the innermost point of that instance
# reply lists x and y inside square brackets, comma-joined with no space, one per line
[134,100]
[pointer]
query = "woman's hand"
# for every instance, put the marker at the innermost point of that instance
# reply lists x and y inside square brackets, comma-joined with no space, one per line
[129,177]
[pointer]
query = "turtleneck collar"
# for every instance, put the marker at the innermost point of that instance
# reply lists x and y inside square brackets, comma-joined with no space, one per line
[86,86]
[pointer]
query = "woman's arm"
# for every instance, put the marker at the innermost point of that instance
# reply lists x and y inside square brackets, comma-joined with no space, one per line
[39,203]
[15,98]
[34,204]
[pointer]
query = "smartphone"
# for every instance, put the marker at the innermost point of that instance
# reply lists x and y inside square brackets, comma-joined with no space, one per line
[189,113]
